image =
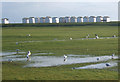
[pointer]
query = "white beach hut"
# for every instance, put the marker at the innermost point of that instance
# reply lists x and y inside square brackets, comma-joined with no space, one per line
[92,19]
[37,20]
[106,19]
[99,19]
[67,19]
[79,19]
[5,21]
[42,19]
[55,20]
[62,20]
[85,19]
[48,19]
[25,20]
[73,19]
[31,20]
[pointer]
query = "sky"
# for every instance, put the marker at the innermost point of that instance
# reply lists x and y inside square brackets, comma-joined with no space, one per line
[59,0]
[15,11]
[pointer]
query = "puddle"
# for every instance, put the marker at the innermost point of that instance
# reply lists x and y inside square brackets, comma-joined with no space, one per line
[13,59]
[15,56]
[72,55]
[10,53]
[98,66]
[41,54]
[7,53]
[46,61]
[67,40]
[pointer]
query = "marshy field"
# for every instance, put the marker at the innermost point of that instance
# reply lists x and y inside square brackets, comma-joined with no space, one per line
[86,56]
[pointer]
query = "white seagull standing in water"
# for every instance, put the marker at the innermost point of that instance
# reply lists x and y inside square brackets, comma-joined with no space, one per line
[29,53]
[65,57]
[96,36]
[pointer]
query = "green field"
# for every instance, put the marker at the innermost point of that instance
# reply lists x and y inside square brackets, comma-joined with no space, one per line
[43,42]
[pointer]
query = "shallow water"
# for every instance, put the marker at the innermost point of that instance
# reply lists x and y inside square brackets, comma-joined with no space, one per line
[45,61]
[68,40]
[98,66]
[41,54]
[9,53]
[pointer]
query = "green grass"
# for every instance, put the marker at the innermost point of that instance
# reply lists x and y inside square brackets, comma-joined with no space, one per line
[15,70]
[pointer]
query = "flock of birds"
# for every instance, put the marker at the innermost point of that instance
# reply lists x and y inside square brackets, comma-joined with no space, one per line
[65,56]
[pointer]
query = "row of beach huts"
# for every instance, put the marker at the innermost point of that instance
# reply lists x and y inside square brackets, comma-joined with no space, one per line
[66,19]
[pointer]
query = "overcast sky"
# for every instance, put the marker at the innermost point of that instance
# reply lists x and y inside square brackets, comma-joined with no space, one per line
[60,0]
[15,11]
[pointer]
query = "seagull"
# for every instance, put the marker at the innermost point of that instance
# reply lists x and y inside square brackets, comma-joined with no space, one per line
[65,57]
[70,38]
[28,35]
[29,53]
[107,64]
[114,35]
[113,55]
[96,36]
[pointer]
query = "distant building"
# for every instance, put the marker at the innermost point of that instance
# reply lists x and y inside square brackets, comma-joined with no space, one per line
[106,19]
[48,19]
[62,20]
[25,20]
[55,20]
[42,19]
[67,19]
[31,20]
[5,21]
[79,19]
[37,20]
[92,19]
[99,19]
[73,19]
[85,19]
